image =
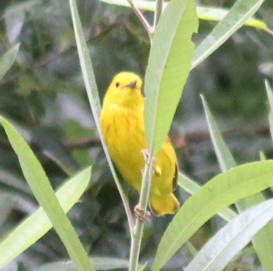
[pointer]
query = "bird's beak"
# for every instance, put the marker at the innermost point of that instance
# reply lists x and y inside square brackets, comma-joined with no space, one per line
[132,84]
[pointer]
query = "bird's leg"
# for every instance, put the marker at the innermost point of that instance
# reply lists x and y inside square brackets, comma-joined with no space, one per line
[141,214]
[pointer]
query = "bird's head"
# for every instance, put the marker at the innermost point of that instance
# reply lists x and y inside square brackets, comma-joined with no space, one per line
[125,90]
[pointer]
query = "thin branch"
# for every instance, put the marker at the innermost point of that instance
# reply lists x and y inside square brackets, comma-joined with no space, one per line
[137,233]
[190,138]
[143,20]
[269,31]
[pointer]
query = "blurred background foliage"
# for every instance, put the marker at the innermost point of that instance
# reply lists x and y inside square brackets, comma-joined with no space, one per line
[43,95]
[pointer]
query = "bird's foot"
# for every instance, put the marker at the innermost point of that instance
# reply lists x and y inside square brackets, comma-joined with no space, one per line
[146,155]
[141,214]
[157,169]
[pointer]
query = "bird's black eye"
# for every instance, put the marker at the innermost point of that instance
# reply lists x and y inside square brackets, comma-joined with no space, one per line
[117,84]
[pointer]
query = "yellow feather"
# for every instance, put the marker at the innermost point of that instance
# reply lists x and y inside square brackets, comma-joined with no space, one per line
[122,124]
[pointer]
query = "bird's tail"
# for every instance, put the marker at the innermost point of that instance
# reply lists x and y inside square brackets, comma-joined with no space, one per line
[161,205]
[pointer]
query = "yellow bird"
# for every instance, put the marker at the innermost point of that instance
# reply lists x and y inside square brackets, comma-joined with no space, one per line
[122,122]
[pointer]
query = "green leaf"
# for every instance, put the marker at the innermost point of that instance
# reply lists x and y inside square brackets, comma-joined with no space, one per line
[224,157]
[270,99]
[269,92]
[35,226]
[7,60]
[192,187]
[187,184]
[216,254]
[218,193]
[86,65]
[238,15]
[167,74]
[208,13]
[218,14]
[43,192]
[142,268]
[100,263]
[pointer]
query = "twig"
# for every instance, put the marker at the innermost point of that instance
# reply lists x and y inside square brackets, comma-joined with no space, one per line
[143,20]
[269,31]
[136,234]
[187,139]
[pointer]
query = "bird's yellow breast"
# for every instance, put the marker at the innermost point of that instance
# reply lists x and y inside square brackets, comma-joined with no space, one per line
[123,130]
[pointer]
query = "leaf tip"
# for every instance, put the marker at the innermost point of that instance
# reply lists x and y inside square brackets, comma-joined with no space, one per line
[17,46]
[2,119]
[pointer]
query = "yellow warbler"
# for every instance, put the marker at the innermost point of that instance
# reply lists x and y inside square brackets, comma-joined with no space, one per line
[122,122]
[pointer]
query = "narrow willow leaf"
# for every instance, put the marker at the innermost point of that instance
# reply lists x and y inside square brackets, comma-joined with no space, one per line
[218,14]
[192,187]
[93,95]
[187,184]
[7,60]
[167,74]
[224,157]
[270,118]
[238,15]
[35,226]
[142,268]
[44,193]
[100,263]
[269,95]
[216,254]
[218,193]
[86,65]
[208,13]
[270,99]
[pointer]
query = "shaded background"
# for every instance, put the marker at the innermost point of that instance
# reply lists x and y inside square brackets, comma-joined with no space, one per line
[43,95]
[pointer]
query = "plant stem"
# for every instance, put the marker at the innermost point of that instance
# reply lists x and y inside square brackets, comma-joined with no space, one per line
[143,20]
[137,232]
[158,11]
[269,31]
